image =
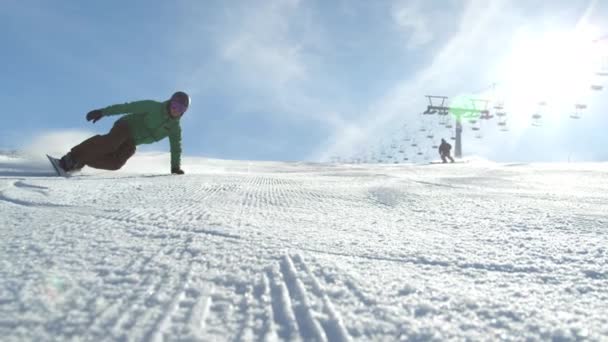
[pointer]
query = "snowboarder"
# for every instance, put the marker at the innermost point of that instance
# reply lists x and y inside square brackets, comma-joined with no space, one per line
[146,122]
[444,151]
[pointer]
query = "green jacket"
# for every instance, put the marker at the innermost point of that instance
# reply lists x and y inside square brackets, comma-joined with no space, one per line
[149,122]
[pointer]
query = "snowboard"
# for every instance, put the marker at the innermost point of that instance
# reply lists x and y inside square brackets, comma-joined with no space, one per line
[455,162]
[55,162]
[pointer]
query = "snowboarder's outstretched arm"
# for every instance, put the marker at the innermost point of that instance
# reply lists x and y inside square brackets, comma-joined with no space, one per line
[129,108]
[175,142]
[137,107]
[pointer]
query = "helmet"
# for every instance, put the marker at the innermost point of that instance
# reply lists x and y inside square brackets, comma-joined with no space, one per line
[180,101]
[181,98]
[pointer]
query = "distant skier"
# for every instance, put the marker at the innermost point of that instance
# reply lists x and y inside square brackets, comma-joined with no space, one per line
[146,122]
[444,151]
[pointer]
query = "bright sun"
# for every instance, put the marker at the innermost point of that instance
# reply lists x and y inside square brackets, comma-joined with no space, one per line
[551,70]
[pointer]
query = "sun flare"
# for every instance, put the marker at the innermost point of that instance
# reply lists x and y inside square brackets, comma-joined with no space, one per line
[549,74]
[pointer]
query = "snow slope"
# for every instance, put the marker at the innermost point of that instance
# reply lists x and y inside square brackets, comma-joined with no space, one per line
[238,250]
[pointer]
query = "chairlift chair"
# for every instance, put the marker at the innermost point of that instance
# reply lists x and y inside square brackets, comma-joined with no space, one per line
[597,87]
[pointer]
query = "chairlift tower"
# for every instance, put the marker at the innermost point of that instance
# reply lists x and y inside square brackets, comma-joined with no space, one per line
[440,107]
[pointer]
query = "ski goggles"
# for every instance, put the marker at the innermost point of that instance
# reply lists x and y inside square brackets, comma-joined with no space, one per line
[178,107]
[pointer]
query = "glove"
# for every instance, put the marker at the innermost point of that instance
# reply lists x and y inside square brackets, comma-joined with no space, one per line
[94,115]
[177,171]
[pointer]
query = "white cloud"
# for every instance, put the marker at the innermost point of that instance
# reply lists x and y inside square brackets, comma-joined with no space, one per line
[410,18]
[264,53]
[263,49]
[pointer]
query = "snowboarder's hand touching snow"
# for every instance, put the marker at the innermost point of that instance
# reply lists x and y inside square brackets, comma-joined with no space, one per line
[94,115]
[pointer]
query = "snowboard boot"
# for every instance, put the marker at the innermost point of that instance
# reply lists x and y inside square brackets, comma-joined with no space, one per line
[69,164]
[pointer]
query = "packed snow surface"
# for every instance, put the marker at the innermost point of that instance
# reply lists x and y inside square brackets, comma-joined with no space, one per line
[238,250]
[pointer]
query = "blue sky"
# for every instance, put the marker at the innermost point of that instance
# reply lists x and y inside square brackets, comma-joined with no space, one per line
[303,80]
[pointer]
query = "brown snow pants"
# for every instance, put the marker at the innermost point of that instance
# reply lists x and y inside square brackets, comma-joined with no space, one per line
[108,152]
[447,155]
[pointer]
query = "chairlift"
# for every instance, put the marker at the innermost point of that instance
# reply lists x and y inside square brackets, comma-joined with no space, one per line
[473,121]
[452,138]
[406,158]
[502,123]
[475,128]
[542,103]
[581,106]
[435,146]
[419,153]
[389,156]
[414,145]
[501,114]
[401,151]
[537,116]
[575,116]
[423,129]
[449,126]
[504,129]
[430,136]
[499,107]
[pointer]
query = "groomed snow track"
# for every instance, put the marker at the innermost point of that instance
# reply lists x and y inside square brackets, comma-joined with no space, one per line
[312,252]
